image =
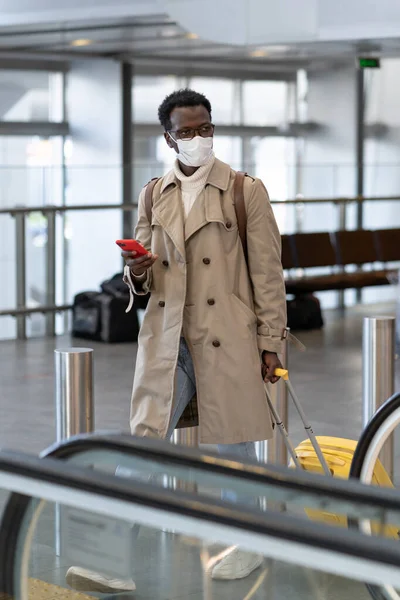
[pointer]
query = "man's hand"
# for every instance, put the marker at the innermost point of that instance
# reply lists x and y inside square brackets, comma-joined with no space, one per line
[139,265]
[270,362]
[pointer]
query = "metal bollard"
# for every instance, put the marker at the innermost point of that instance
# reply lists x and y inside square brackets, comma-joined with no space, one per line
[274,450]
[74,402]
[74,391]
[186,436]
[20,261]
[378,374]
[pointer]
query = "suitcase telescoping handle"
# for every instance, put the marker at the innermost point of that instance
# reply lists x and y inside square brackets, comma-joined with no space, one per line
[284,374]
[279,423]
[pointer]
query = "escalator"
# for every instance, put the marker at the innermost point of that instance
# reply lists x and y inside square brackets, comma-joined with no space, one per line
[375,435]
[81,503]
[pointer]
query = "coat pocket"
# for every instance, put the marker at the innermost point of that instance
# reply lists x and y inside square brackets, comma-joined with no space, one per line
[251,318]
[227,233]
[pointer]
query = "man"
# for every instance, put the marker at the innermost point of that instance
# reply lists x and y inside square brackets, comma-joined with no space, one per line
[217,312]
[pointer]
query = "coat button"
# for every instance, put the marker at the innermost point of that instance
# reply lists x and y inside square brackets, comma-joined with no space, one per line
[216,344]
[228,224]
[165,263]
[206,261]
[161,304]
[211,301]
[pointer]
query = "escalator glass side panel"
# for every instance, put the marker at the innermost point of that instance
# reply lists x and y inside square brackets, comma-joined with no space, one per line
[264,492]
[100,558]
[172,543]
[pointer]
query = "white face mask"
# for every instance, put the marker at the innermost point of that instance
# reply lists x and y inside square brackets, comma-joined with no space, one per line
[195,152]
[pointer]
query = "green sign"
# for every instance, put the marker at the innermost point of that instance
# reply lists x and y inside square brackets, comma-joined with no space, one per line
[369,63]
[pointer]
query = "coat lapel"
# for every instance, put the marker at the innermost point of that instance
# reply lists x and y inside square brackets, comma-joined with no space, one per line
[207,207]
[168,212]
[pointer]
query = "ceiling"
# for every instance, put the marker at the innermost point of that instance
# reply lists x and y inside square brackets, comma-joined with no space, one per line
[160,39]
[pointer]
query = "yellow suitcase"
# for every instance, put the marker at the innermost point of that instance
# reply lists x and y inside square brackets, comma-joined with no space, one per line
[329,456]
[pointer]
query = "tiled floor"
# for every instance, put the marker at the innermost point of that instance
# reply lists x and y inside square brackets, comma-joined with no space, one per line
[327,377]
[328,380]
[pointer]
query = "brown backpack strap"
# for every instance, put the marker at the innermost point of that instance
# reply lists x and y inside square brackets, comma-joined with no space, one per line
[240,209]
[148,198]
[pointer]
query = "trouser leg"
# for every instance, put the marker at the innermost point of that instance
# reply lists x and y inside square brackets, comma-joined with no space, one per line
[185,388]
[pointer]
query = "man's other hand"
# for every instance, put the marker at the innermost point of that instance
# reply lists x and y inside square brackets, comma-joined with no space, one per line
[270,362]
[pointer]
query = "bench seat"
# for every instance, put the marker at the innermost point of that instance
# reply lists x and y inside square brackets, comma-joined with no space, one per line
[338,281]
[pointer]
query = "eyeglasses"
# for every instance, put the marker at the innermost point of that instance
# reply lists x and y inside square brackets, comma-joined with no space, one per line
[204,131]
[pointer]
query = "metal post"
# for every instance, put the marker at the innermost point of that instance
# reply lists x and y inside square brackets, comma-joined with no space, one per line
[378,374]
[299,214]
[360,137]
[342,215]
[342,206]
[299,160]
[127,146]
[51,272]
[20,272]
[281,457]
[186,436]
[74,391]
[74,402]
[65,242]
[274,450]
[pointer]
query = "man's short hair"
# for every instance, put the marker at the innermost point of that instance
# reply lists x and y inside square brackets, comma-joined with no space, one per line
[180,98]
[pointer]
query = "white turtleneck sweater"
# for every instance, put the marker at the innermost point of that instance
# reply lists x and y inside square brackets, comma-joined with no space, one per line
[192,186]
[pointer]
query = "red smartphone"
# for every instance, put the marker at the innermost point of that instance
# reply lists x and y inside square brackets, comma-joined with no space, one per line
[132,246]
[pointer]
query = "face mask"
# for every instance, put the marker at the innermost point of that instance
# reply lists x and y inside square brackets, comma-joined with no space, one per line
[195,152]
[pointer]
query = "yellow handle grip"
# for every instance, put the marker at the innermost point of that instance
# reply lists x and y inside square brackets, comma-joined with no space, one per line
[284,373]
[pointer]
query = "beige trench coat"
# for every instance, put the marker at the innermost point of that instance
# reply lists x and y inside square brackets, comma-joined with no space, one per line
[202,289]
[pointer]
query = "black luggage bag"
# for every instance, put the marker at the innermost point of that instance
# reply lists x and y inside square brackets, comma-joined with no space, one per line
[101,316]
[304,313]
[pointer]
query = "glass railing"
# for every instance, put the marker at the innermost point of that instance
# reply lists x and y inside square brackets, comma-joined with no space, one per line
[49,257]
[46,213]
[173,533]
[209,475]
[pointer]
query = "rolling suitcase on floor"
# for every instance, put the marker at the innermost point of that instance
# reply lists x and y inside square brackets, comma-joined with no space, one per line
[328,455]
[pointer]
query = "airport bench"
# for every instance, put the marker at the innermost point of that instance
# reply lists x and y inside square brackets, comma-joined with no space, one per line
[370,251]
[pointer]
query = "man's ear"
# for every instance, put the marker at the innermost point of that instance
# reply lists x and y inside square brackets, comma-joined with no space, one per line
[167,138]
[170,141]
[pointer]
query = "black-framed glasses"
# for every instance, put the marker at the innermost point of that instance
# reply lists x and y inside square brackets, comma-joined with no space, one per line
[204,131]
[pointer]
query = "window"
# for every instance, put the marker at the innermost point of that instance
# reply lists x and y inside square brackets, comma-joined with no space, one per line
[229,149]
[148,93]
[221,94]
[31,96]
[273,163]
[31,175]
[264,103]
[30,170]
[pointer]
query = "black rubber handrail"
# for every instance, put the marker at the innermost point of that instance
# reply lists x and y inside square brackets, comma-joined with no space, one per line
[271,524]
[294,480]
[369,433]
[381,415]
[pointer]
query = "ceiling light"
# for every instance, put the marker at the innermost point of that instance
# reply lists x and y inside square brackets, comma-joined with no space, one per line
[80,43]
[258,53]
[169,33]
[278,49]
[192,36]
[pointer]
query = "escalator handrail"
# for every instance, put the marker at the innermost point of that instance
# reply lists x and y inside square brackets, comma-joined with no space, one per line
[357,465]
[264,474]
[97,485]
[369,433]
